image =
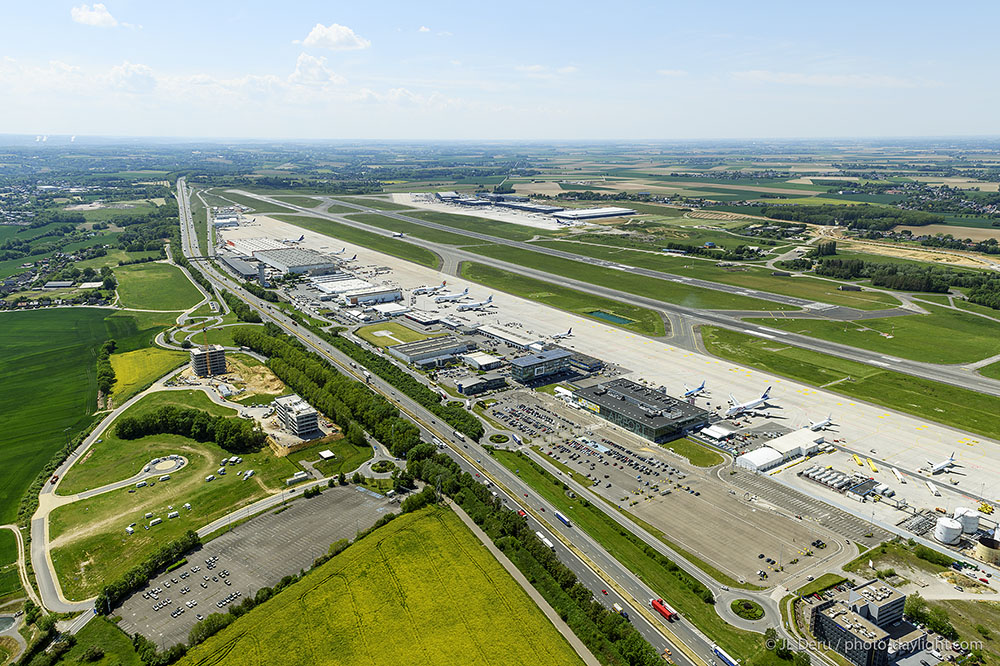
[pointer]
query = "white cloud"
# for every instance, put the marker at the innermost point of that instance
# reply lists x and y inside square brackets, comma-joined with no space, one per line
[544,72]
[423,28]
[312,71]
[96,15]
[825,80]
[132,78]
[671,72]
[335,37]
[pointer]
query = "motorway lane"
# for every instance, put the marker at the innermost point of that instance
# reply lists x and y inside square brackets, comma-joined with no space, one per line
[949,374]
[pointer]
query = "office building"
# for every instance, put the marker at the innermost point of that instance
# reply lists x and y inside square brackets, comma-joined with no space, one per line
[208,360]
[480,383]
[536,366]
[650,413]
[482,361]
[296,415]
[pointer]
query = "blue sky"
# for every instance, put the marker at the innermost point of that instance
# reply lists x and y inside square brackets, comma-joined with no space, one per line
[513,70]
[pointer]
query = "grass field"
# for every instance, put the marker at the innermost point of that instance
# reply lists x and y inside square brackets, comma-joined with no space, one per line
[992,370]
[925,399]
[698,454]
[377,204]
[609,534]
[10,581]
[100,631]
[749,277]
[411,229]
[917,337]
[199,215]
[644,321]
[420,591]
[257,205]
[347,457]
[113,257]
[155,286]
[89,544]
[305,202]
[389,333]
[640,285]
[48,392]
[137,369]
[391,246]
[507,230]
[215,336]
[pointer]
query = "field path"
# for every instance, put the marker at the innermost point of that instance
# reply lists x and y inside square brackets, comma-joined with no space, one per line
[516,574]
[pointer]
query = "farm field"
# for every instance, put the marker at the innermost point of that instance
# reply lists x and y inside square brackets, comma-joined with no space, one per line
[411,229]
[424,580]
[917,337]
[88,541]
[136,369]
[391,246]
[639,320]
[640,285]
[49,390]
[749,277]
[935,401]
[113,257]
[155,286]
[389,333]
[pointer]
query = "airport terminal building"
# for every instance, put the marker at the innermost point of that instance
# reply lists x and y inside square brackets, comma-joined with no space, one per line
[647,412]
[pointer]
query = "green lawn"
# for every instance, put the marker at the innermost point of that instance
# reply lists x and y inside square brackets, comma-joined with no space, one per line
[100,631]
[155,286]
[748,277]
[640,285]
[992,370]
[641,320]
[305,202]
[199,214]
[411,229]
[377,242]
[389,333]
[215,336]
[377,204]
[49,389]
[421,591]
[347,457]
[10,581]
[697,454]
[918,337]
[934,401]
[113,257]
[482,225]
[825,581]
[137,369]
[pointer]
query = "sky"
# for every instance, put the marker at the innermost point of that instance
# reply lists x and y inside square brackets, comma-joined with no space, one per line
[548,70]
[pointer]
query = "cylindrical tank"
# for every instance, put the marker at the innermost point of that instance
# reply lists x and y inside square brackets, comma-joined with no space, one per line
[969,519]
[948,530]
[988,550]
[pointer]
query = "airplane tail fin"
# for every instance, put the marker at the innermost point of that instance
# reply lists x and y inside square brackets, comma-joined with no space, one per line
[354,257]
[952,456]
[702,385]
[766,394]
[490,299]
[732,399]
[569,330]
[302,238]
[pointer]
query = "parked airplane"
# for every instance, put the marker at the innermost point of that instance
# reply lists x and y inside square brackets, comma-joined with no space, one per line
[692,392]
[736,408]
[341,251]
[476,306]
[821,425]
[352,258]
[397,234]
[560,336]
[429,290]
[934,468]
[292,241]
[445,298]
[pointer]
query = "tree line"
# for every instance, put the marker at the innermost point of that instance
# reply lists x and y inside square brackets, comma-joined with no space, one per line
[348,403]
[242,311]
[105,372]
[876,218]
[233,434]
[892,276]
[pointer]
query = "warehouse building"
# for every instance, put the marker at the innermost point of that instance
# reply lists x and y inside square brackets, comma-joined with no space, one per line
[759,460]
[373,296]
[208,360]
[389,310]
[432,351]
[296,415]
[243,269]
[482,361]
[480,383]
[592,213]
[798,443]
[507,336]
[647,412]
[296,260]
[247,246]
[543,364]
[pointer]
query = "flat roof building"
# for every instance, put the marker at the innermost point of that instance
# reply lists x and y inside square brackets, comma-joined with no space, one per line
[507,336]
[247,246]
[208,360]
[647,412]
[295,260]
[543,364]
[432,351]
[592,213]
[296,415]
[482,360]
[373,296]
[243,269]
[480,383]
[759,460]
[390,309]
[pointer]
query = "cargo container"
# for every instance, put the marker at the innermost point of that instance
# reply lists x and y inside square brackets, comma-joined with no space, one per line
[563,519]
[664,609]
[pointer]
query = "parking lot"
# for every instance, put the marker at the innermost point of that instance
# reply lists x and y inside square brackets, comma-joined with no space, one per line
[253,555]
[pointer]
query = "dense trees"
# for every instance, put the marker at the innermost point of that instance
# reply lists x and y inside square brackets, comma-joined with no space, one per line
[105,373]
[877,218]
[934,618]
[232,434]
[893,276]
[242,311]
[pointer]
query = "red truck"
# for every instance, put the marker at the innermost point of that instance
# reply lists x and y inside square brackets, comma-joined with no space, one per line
[664,609]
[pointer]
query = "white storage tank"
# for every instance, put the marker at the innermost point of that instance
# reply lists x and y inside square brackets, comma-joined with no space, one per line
[969,519]
[948,530]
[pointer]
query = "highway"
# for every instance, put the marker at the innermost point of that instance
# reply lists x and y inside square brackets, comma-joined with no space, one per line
[949,374]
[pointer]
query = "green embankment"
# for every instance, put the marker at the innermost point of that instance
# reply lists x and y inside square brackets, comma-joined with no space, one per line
[373,241]
[424,580]
[639,320]
[925,399]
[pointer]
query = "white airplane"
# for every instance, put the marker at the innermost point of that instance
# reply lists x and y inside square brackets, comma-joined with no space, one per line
[692,392]
[429,290]
[292,241]
[352,258]
[560,336]
[397,234]
[934,468]
[445,298]
[341,251]
[736,408]
[476,306]
[821,425]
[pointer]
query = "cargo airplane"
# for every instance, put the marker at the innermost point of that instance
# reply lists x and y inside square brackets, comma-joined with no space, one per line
[737,408]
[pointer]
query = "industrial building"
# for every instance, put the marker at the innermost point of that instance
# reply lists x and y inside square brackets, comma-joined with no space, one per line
[479,383]
[243,269]
[208,360]
[649,413]
[296,260]
[592,213]
[580,361]
[336,283]
[432,351]
[390,309]
[543,364]
[508,336]
[795,444]
[373,296]
[247,246]
[482,361]
[296,415]
[866,625]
